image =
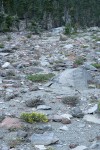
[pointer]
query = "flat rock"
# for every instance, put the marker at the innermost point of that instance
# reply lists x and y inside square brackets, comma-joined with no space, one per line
[43,107]
[92,118]
[80,148]
[40,147]
[64,128]
[43,139]
[11,123]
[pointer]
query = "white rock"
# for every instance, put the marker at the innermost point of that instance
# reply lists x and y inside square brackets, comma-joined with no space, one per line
[64,128]
[43,107]
[80,148]
[40,147]
[68,116]
[68,46]
[6,65]
[92,118]
[92,109]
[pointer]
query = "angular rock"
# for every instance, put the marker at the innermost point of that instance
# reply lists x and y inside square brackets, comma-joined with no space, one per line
[43,139]
[92,118]
[6,65]
[80,148]
[77,112]
[92,109]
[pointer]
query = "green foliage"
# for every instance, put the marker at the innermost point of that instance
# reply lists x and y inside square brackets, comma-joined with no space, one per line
[34,117]
[99,106]
[1,45]
[68,29]
[40,77]
[96,65]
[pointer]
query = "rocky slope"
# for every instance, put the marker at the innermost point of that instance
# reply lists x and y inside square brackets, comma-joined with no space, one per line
[69,99]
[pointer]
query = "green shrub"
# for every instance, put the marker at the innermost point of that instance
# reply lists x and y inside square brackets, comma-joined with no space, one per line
[96,65]
[40,77]
[68,29]
[1,45]
[34,117]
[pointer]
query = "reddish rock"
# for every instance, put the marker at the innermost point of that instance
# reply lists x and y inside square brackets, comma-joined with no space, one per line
[65,121]
[9,122]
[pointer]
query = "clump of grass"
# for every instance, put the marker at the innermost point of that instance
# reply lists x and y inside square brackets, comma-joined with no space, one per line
[1,45]
[40,77]
[96,38]
[34,117]
[79,61]
[70,100]
[96,65]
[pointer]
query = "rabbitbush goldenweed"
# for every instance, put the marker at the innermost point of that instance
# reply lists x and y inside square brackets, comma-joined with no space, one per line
[34,117]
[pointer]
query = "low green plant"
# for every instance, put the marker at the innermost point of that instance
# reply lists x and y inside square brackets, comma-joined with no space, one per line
[29,36]
[40,77]
[1,45]
[96,65]
[9,37]
[34,117]
[79,61]
[99,106]
[70,100]
[96,38]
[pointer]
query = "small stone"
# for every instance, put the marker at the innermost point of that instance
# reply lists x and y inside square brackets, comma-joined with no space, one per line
[73,146]
[68,46]
[64,128]
[65,121]
[77,112]
[43,107]
[35,88]
[6,65]
[66,116]
[57,118]
[63,37]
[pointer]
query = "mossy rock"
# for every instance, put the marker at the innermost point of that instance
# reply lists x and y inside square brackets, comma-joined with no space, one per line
[40,77]
[34,117]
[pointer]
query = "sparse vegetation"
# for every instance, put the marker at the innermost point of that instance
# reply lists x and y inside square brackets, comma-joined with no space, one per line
[96,38]
[96,65]
[34,117]
[40,77]
[70,100]
[1,45]
[99,106]
[79,61]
